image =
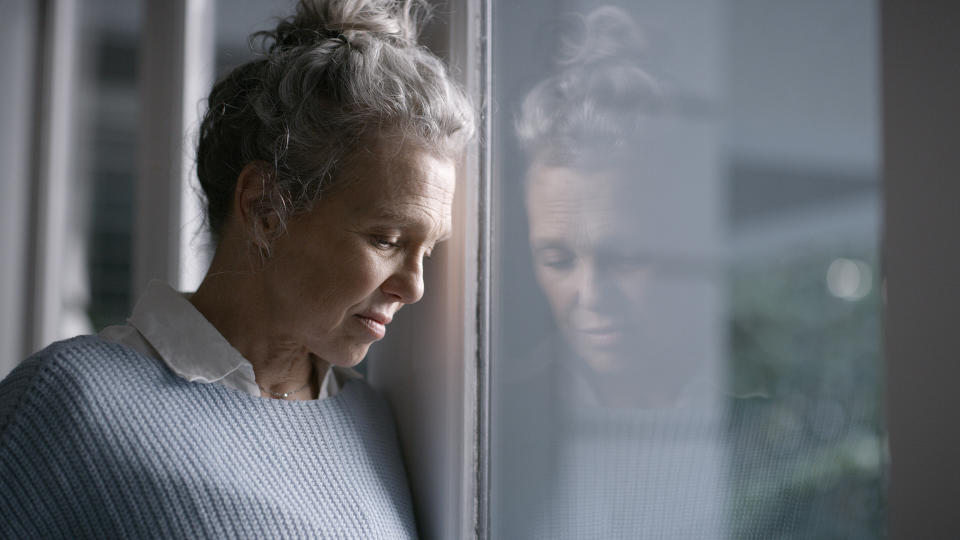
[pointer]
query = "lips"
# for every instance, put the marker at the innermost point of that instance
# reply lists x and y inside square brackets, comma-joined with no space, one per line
[601,336]
[377,316]
[375,322]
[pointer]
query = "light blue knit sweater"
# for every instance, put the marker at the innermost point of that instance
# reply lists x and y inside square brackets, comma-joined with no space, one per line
[99,441]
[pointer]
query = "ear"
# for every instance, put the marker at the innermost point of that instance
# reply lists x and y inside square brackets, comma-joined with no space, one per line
[253,204]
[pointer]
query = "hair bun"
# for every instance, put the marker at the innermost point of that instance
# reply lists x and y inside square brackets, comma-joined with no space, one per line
[608,32]
[349,21]
[599,99]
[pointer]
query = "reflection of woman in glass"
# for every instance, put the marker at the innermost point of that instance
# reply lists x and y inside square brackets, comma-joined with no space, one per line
[611,172]
[327,163]
[619,434]
[621,425]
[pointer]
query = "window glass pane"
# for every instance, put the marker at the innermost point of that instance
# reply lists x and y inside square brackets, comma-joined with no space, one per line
[686,290]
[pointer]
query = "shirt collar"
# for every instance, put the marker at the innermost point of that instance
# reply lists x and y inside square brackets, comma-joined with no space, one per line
[185,339]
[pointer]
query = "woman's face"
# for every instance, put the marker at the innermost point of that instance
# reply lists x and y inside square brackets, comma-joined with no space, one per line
[338,275]
[589,262]
[612,255]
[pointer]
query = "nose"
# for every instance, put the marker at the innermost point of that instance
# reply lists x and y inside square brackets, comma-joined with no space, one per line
[601,284]
[405,284]
[588,286]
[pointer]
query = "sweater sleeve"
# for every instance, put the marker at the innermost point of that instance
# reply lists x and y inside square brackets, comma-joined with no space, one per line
[12,390]
[15,506]
[43,479]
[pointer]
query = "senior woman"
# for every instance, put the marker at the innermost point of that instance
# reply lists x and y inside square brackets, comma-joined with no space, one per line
[328,168]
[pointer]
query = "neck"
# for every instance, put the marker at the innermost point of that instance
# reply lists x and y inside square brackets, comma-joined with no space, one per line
[232,303]
[662,386]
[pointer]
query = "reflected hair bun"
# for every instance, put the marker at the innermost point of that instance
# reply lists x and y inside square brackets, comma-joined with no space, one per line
[598,97]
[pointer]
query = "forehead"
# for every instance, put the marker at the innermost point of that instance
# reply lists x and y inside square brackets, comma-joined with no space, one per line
[566,203]
[408,186]
[623,210]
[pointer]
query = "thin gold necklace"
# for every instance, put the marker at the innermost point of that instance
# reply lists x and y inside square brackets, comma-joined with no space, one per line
[284,395]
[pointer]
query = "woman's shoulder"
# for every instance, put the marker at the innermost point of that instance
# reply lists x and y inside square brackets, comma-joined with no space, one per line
[58,356]
[63,374]
[80,356]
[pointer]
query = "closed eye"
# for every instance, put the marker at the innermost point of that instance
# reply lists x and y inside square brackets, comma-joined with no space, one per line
[556,258]
[385,243]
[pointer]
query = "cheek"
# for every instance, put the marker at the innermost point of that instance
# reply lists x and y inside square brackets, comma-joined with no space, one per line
[559,287]
[355,279]
[313,291]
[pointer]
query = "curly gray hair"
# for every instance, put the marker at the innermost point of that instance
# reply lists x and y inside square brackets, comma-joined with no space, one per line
[335,76]
[599,99]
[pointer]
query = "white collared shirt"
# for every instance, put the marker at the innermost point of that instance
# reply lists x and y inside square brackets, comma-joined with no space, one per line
[165,326]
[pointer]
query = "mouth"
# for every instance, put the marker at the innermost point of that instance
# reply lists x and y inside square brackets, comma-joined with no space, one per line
[374,323]
[601,336]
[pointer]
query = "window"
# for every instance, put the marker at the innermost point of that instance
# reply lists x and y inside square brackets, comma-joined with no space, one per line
[686,305]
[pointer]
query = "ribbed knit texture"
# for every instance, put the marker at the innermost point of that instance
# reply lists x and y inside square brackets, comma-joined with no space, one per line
[743,468]
[98,441]
[636,474]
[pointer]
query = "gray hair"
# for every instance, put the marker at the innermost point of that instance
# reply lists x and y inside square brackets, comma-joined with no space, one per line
[597,101]
[335,76]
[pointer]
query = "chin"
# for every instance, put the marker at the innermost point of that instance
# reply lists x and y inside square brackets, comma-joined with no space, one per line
[605,362]
[345,355]
[350,358]
[351,363]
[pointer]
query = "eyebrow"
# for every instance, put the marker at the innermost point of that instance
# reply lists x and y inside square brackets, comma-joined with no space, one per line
[541,245]
[405,221]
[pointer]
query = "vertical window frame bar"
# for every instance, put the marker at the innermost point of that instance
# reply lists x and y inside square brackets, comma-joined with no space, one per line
[23,44]
[52,154]
[176,71]
[484,259]
[468,49]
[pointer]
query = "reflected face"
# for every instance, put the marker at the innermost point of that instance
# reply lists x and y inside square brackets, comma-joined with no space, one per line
[589,261]
[341,272]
